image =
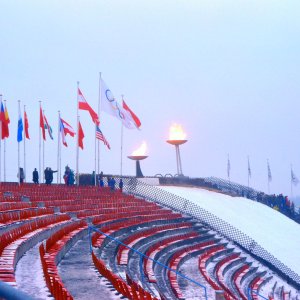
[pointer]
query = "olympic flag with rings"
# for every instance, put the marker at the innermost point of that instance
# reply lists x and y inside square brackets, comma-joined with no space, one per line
[110,105]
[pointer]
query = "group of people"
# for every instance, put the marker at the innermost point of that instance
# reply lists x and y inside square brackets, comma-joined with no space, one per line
[69,176]
[111,182]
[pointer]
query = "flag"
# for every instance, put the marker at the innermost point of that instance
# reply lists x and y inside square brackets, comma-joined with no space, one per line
[228,167]
[5,121]
[2,113]
[48,127]
[249,169]
[112,107]
[26,126]
[101,137]
[294,179]
[68,128]
[269,173]
[83,105]
[131,116]
[80,136]
[65,128]
[42,123]
[20,129]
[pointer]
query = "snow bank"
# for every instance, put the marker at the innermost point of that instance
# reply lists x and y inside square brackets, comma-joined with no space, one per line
[272,230]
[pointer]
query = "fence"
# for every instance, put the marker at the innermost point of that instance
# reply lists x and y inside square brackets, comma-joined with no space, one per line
[137,188]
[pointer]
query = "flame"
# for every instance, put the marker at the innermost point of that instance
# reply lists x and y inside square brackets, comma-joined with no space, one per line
[141,151]
[177,133]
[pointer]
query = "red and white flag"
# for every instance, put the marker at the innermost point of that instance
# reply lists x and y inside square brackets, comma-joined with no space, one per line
[42,124]
[26,126]
[80,136]
[65,128]
[131,116]
[83,105]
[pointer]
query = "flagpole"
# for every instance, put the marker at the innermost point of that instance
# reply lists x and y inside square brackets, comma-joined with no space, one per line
[44,153]
[248,171]
[77,145]
[24,147]
[19,109]
[40,174]
[4,150]
[58,152]
[95,183]
[268,177]
[0,143]
[99,110]
[122,133]
[291,181]
[4,160]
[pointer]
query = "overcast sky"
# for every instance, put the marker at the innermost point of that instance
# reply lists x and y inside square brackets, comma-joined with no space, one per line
[227,71]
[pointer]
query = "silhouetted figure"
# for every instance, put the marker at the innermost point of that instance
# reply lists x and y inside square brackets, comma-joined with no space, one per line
[35,176]
[49,175]
[21,175]
[121,184]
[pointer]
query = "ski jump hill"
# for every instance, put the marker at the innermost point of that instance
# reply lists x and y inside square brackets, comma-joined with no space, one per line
[153,240]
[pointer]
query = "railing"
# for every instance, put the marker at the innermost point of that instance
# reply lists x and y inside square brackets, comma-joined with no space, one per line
[142,256]
[8,292]
[137,188]
[250,292]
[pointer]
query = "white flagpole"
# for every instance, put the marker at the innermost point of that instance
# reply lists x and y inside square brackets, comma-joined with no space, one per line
[4,158]
[99,112]
[95,156]
[44,153]
[58,152]
[0,143]
[291,181]
[248,171]
[268,177]
[77,146]
[19,109]
[122,132]
[24,146]
[40,174]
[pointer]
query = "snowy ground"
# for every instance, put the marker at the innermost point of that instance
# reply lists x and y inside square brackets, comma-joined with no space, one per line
[272,230]
[30,277]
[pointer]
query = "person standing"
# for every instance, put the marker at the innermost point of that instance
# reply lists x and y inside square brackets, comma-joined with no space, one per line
[121,184]
[35,176]
[21,175]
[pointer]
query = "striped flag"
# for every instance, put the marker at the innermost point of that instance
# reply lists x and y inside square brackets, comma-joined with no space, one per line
[101,137]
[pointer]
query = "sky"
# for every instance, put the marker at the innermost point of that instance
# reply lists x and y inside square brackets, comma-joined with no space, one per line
[227,71]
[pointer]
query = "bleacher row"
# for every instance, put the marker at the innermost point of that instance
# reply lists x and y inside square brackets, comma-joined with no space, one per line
[162,240]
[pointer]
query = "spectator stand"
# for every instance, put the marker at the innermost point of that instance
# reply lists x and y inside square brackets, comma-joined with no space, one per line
[92,229]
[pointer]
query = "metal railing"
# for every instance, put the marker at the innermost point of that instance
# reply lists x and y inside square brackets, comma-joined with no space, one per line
[142,256]
[10,293]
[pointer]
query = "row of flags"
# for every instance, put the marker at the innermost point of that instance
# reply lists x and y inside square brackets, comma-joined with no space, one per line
[294,179]
[122,112]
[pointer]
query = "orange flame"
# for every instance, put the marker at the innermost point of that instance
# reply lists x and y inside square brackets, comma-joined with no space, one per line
[141,151]
[177,133]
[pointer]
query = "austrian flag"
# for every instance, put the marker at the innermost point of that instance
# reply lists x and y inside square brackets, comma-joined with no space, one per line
[82,104]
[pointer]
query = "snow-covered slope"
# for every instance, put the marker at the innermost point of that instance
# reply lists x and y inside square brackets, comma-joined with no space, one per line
[276,233]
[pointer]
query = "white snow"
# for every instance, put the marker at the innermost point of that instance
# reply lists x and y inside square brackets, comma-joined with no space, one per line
[272,230]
